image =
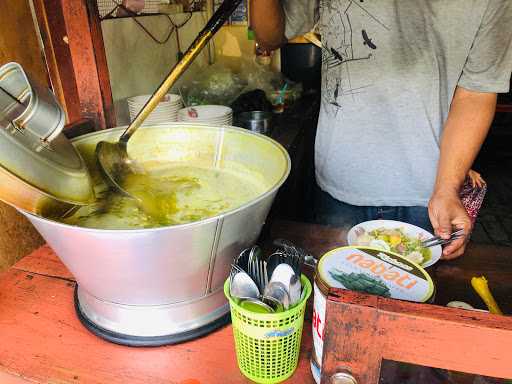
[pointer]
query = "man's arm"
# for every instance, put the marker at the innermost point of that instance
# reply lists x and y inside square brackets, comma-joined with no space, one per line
[471,114]
[268,23]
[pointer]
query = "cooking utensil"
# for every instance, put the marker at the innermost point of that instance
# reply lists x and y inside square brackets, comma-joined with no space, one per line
[39,168]
[256,305]
[273,261]
[283,273]
[242,286]
[250,260]
[242,260]
[274,303]
[294,290]
[278,258]
[437,240]
[113,159]
[278,291]
[293,259]
[305,257]
[167,281]
[256,121]
[12,97]
[256,268]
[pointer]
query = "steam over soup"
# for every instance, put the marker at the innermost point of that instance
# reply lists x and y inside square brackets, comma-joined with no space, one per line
[172,195]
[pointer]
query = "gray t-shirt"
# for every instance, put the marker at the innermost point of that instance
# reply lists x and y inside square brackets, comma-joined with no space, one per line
[390,69]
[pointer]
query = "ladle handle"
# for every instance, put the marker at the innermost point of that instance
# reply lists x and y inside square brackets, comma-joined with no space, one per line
[217,20]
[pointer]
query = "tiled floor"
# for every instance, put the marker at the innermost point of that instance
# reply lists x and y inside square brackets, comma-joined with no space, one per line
[494,225]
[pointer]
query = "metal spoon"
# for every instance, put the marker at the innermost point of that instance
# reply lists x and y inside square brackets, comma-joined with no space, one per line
[114,162]
[282,273]
[272,302]
[294,290]
[242,287]
[255,305]
[278,291]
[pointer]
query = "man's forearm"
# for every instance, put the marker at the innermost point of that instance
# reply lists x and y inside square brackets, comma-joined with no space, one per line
[267,21]
[469,119]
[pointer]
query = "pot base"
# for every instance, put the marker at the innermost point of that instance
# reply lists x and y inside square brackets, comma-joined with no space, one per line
[144,341]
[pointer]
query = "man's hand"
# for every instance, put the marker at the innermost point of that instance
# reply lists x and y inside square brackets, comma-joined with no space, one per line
[468,122]
[446,215]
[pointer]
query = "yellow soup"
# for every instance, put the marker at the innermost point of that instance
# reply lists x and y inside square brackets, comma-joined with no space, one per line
[175,194]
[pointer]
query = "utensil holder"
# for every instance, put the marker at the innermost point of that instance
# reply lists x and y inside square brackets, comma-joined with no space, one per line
[268,345]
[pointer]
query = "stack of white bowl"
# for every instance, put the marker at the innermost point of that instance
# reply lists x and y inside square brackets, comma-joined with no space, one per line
[216,115]
[166,111]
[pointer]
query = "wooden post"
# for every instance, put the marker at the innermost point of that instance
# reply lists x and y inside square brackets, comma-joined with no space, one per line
[362,330]
[76,59]
[58,56]
[351,341]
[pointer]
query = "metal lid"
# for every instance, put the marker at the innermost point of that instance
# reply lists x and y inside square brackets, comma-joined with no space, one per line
[32,147]
[376,272]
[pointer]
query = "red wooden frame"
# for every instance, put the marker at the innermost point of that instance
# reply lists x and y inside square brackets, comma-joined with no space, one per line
[362,330]
[75,55]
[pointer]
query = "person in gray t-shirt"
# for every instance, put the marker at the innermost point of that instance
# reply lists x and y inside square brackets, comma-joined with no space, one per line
[408,95]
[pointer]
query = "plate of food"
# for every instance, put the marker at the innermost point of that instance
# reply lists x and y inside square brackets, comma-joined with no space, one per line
[398,237]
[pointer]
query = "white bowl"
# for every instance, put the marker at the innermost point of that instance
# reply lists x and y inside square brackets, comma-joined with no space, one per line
[208,112]
[408,229]
[169,99]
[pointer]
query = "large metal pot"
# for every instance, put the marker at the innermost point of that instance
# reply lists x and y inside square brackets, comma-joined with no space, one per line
[163,285]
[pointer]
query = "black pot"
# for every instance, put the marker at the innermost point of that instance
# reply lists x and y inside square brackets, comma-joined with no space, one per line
[302,63]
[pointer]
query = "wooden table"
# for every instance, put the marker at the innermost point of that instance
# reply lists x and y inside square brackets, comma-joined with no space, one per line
[42,341]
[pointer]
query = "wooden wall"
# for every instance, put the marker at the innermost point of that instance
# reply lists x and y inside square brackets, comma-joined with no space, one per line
[18,39]
[18,42]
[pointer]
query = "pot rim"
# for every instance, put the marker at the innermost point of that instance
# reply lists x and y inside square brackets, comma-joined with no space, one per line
[221,216]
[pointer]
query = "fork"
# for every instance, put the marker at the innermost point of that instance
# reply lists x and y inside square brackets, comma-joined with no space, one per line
[437,240]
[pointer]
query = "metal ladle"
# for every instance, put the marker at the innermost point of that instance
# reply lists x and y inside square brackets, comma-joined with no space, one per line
[114,162]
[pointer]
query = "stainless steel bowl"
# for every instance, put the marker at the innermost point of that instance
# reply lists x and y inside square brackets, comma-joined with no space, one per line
[169,280]
[255,121]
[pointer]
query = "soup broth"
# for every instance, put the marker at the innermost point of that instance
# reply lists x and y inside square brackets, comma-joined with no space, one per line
[176,194]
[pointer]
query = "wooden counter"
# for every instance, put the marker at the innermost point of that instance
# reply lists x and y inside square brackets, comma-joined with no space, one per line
[42,340]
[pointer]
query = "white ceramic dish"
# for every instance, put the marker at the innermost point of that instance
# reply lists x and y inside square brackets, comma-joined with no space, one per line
[168,99]
[408,229]
[166,111]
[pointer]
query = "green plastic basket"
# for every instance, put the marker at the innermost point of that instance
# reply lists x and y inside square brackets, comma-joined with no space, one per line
[268,345]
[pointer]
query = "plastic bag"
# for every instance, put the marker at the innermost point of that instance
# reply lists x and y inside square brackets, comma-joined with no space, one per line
[279,90]
[215,84]
[221,84]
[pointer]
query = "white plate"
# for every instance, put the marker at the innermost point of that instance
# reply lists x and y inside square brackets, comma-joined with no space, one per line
[408,229]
